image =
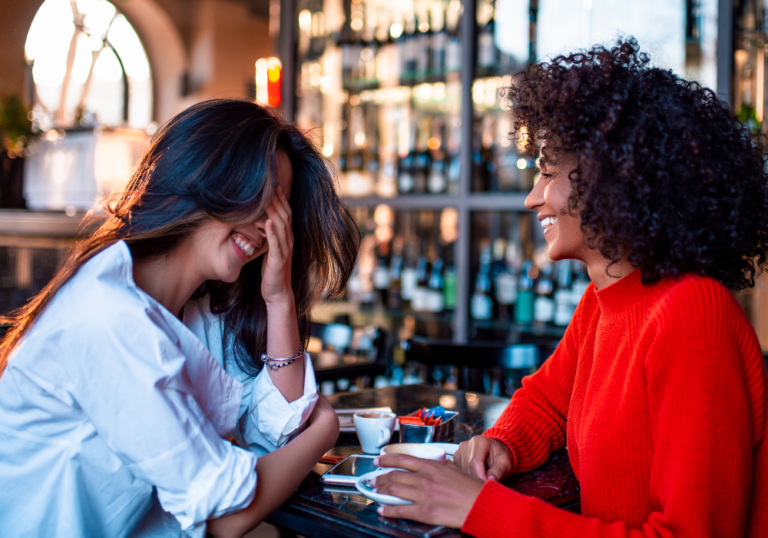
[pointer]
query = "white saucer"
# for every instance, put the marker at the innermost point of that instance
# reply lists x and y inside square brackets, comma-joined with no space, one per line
[370,492]
[450,448]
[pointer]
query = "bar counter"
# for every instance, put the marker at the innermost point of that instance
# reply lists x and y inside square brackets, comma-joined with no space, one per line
[319,510]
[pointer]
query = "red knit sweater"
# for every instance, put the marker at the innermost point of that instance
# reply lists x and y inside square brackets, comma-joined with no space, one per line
[660,393]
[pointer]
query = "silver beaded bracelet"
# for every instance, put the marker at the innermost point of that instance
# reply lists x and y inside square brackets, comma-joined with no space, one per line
[276,364]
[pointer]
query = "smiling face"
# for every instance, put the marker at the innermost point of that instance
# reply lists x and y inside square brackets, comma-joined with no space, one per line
[221,249]
[549,198]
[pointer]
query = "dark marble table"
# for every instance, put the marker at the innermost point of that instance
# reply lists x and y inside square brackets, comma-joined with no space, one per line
[319,511]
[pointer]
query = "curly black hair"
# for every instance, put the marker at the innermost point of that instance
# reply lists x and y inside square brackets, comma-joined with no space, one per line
[667,176]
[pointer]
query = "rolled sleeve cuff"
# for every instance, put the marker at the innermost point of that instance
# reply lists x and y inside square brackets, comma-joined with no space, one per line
[218,489]
[273,416]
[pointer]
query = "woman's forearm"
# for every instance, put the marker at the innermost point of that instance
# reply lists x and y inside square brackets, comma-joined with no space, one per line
[280,473]
[282,342]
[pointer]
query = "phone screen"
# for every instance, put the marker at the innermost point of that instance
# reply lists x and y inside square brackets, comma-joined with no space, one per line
[354,465]
[347,471]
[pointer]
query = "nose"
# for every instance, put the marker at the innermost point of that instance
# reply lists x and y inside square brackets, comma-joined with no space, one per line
[260,226]
[535,198]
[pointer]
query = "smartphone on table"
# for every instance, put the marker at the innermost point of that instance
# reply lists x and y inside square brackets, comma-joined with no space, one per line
[348,470]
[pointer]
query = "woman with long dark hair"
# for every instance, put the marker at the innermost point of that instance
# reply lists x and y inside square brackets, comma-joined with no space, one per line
[178,324]
[658,388]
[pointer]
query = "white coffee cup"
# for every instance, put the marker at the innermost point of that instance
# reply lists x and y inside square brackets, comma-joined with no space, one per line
[417,450]
[374,429]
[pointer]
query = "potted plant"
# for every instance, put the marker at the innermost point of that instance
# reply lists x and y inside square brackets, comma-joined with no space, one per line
[16,134]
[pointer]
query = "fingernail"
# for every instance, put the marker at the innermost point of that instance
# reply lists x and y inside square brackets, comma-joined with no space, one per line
[380,510]
[491,477]
[376,461]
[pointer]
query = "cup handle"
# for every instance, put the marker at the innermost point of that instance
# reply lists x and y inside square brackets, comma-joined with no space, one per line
[384,436]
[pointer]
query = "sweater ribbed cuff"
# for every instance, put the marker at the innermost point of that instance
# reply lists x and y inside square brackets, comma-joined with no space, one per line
[496,512]
[503,436]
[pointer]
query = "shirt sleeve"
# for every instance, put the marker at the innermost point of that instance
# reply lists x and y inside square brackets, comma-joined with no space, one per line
[133,382]
[267,420]
[271,421]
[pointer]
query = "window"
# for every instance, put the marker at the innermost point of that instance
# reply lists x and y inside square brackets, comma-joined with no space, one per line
[89,67]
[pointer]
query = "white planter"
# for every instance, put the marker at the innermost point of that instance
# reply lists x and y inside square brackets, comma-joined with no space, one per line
[76,170]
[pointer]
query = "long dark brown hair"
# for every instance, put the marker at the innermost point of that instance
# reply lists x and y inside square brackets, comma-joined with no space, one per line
[217,160]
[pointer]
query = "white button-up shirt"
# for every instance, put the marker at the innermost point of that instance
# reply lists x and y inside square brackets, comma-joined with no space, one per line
[114,415]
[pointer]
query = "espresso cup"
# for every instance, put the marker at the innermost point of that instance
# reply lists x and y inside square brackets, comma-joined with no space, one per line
[418,450]
[374,429]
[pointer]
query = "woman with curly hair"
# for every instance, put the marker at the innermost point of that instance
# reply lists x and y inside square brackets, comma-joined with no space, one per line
[658,387]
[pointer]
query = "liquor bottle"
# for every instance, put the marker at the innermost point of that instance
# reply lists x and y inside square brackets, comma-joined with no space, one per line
[380,278]
[487,53]
[488,143]
[405,168]
[544,304]
[345,45]
[453,47]
[408,51]
[421,159]
[421,293]
[395,274]
[439,40]
[409,278]
[481,181]
[454,159]
[450,280]
[525,295]
[423,47]
[505,282]
[481,306]
[437,182]
[435,300]
[371,146]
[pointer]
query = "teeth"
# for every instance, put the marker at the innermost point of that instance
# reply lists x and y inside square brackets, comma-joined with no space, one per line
[245,245]
[548,222]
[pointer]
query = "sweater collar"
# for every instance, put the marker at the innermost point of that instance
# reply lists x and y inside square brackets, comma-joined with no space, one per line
[621,295]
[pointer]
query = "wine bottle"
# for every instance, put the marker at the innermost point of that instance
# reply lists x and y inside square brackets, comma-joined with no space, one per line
[408,51]
[487,53]
[437,181]
[481,181]
[409,278]
[421,159]
[488,143]
[405,181]
[395,274]
[525,295]
[453,47]
[421,293]
[436,283]
[544,304]
[504,281]
[481,305]
[380,278]
[423,47]
[439,40]
[450,280]
[453,165]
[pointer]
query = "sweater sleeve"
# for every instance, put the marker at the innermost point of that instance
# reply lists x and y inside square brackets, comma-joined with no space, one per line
[706,391]
[533,424]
